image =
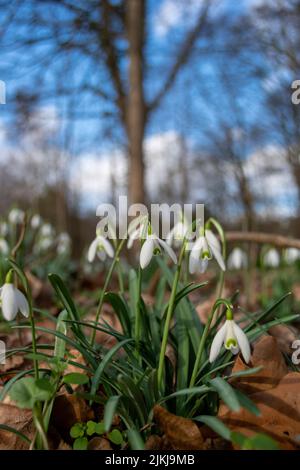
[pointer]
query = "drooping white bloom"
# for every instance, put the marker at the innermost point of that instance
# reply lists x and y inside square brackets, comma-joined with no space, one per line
[16,216]
[237,259]
[101,247]
[233,338]
[46,230]
[206,247]
[3,229]
[36,221]
[272,258]
[291,255]
[154,246]
[4,247]
[178,232]
[12,301]
[63,243]
[137,229]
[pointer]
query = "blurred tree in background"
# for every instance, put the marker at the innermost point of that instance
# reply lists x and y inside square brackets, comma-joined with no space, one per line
[168,100]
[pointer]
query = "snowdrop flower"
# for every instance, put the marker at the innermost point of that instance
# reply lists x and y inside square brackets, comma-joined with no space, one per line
[291,255]
[64,243]
[46,230]
[271,259]
[4,247]
[16,216]
[3,229]
[232,337]
[137,229]
[36,221]
[154,246]
[12,300]
[237,259]
[178,232]
[101,247]
[206,247]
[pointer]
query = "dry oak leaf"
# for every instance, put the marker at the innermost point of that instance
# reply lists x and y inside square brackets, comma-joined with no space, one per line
[19,419]
[280,413]
[181,433]
[285,335]
[68,410]
[266,354]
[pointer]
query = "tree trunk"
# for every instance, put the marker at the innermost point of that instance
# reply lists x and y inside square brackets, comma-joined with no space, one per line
[135,109]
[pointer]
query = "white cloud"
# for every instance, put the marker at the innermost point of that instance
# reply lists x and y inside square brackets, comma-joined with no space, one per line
[173,13]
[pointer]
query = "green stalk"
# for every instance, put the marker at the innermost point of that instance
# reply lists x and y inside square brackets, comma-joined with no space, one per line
[32,325]
[216,306]
[38,421]
[169,316]
[120,277]
[137,326]
[103,292]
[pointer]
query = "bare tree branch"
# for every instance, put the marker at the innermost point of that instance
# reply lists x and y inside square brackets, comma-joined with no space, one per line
[182,57]
[268,238]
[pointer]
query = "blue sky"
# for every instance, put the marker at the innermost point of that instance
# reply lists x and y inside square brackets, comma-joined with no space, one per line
[196,107]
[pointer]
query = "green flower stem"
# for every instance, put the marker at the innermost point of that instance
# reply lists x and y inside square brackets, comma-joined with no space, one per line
[216,306]
[137,326]
[169,316]
[103,292]
[33,333]
[41,434]
[120,277]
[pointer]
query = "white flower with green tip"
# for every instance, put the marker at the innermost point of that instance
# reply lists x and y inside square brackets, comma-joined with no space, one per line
[205,248]
[178,232]
[154,245]
[101,248]
[12,300]
[233,338]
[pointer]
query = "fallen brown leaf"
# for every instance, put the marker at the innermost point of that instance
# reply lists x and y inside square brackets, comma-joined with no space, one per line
[19,419]
[181,433]
[68,410]
[280,413]
[266,354]
[99,443]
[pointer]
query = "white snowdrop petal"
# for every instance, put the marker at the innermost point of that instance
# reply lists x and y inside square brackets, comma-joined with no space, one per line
[218,256]
[106,246]
[203,263]
[146,252]
[212,240]
[92,250]
[9,303]
[168,250]
[170,236]
[22,303]
[194,260]
[132,237]
[242,342]
[217,343]
[4,247]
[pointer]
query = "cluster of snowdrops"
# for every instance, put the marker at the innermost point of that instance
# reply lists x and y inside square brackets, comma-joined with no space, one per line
[162,355]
